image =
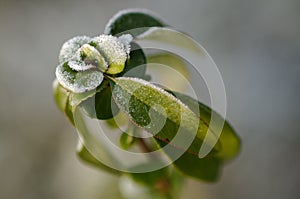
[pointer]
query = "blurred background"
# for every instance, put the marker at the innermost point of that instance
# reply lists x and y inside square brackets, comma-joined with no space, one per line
[256,45]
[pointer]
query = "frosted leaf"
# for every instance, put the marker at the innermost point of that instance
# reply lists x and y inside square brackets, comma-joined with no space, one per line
[80,65]
[126,39]
[142,101]
[113,50]
[70,47]
[78,82]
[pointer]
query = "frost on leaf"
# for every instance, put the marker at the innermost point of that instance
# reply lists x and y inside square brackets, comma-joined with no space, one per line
[113,50]
[78,82]
[80,65]
[90,58]
[70,47]
[126,39]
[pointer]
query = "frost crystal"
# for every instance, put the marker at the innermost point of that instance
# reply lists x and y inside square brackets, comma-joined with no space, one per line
[70,47]
[113,50]
[78,82]
[126,39]
[80,65]
[91,56]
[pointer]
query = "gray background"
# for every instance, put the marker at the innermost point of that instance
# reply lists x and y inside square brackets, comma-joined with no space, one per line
[256,45]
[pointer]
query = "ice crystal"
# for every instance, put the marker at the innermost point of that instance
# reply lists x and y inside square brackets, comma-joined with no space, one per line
[91,56]
[80,65]
[113,50]
[126,39]
[78,82]
[70,47]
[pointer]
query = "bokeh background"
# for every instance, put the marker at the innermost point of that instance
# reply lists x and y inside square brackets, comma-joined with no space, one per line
[256,45]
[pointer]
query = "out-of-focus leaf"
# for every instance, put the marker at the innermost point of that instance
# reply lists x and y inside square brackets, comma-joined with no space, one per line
[165,183]
[161,114]
[127,141]
[88,158]
[60,95]
[205,169]
[170,36]
[169,69]
[130,19]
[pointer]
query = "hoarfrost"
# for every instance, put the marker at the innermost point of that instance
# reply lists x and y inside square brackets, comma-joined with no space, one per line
[111,48]
[126,39]
[80,65]
[141,82]
[90,57]
[70,47]
[78,82]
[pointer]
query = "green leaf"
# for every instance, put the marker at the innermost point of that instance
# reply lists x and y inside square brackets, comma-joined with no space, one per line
[136,21]
[88,158]
[165,35]
[70,47]
[229,140]
[127,141]
[60,95]
[161,114]
[136,64]
[207,168]
[165,183]
[100,105]
[91,57]
[69,112]
[162,65]
[78,82]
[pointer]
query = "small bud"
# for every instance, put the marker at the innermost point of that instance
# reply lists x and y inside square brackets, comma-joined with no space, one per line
[91,56]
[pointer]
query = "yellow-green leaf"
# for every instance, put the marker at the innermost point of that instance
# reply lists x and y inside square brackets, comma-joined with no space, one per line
[162,115]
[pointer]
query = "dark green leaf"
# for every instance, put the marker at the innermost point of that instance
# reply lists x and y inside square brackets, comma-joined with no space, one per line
[130,19]
[101,105]
[207,168]
[229,140]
